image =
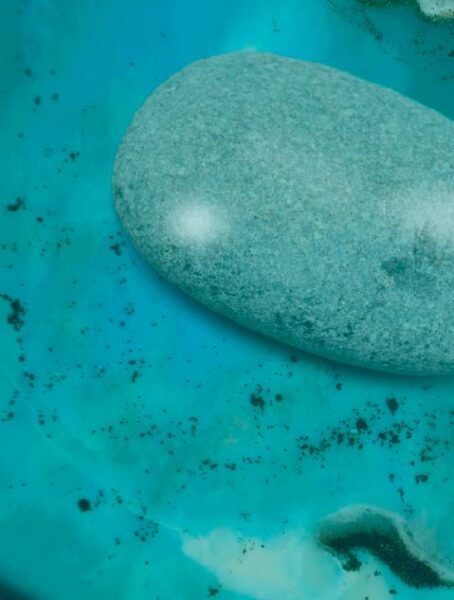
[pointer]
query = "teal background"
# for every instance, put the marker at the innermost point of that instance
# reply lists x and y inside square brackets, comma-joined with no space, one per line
[118,390]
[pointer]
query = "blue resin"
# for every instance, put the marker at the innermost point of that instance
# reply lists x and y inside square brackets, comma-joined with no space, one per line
[151,449]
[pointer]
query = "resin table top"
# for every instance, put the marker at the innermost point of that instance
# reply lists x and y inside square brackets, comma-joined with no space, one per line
[151,449]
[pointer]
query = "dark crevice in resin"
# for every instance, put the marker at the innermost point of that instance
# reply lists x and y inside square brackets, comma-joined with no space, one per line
[388,538]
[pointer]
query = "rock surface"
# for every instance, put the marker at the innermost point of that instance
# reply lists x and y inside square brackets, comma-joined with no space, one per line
[438,9]
[301,202]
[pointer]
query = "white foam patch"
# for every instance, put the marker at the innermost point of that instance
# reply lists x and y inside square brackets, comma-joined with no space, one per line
[287,567]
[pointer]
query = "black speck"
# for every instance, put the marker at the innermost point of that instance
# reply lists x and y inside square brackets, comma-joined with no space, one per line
[84,505]
[361,425]
[422,478]
[19,204]
[257,401]
[392,404]
[116,248]
[351,563]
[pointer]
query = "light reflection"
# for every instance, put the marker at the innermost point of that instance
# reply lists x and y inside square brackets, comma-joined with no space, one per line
[432,211]
[197,222]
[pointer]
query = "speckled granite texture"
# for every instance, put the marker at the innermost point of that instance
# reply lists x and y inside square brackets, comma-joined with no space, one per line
[302,202]
[440,9]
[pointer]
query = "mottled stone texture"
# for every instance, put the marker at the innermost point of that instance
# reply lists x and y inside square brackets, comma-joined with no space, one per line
[301,202]
[439,9]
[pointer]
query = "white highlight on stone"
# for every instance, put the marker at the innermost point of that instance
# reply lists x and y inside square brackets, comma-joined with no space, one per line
[197,222]
[440,9]
[429,212]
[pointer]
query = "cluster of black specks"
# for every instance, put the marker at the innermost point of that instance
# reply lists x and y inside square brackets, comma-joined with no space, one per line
[47,419]
[129,309]
[117,248]
[421,478]
[17,312]
[371,425]
[146,530]
[262,397]
[86,505]
[7,414]
[167,437]
[117,243]
[136,366]
[143,528]
[256,398]
[54,379]
[66,157]
[38,99]
[353,432]
[31,379]
[194,422]
[207,465]
[60,238]
[18,204]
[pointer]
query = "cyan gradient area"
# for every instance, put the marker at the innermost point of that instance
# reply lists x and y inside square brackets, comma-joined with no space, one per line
[150,449]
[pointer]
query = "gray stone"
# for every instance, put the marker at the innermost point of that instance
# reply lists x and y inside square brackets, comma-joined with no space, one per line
[301,202]
[437,9]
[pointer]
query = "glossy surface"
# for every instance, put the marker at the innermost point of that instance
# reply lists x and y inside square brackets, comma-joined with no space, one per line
[149,448]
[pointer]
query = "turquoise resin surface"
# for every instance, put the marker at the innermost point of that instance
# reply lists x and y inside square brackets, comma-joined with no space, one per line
[149,448]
